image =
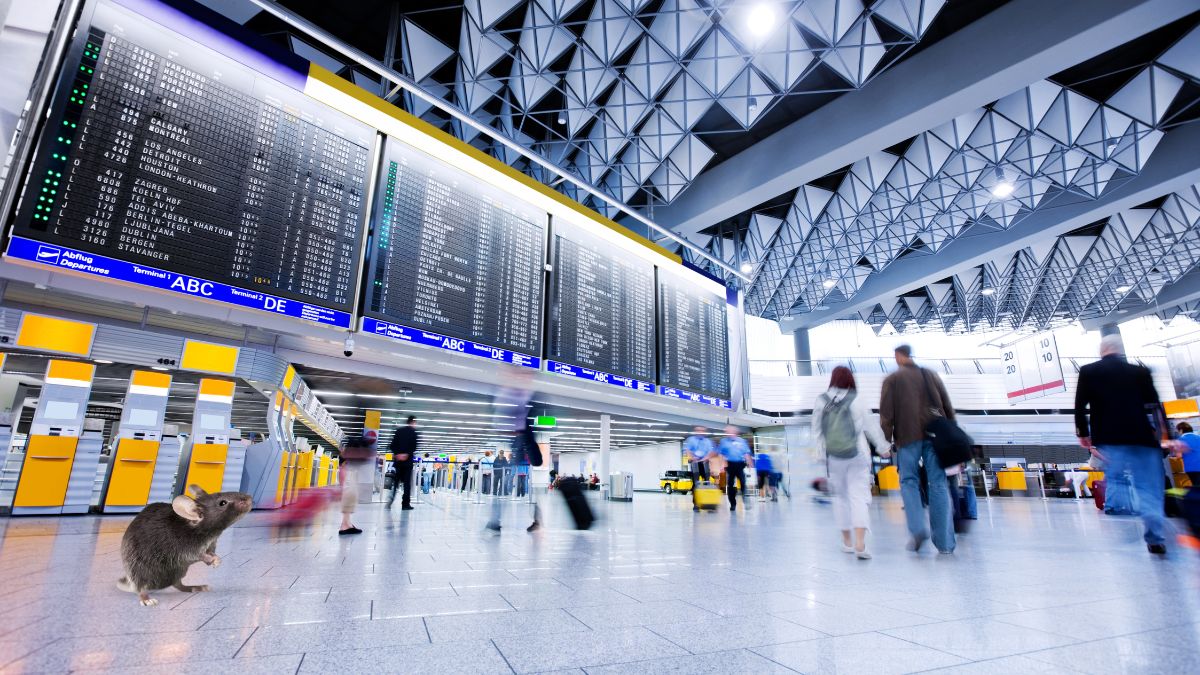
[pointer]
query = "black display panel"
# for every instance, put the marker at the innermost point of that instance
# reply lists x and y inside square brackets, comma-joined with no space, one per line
[453,255]
[163,148]
[693,338]
[601,307]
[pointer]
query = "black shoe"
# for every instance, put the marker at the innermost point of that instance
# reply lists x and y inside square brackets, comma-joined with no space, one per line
[1157,549]
[696,508]
[406,508]
[349,530]
[535,526]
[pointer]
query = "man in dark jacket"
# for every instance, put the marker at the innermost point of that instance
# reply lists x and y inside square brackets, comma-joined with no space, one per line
[404,448]
[904,411]
[1123,407]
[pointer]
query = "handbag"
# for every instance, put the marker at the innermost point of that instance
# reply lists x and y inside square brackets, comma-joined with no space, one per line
[951,444]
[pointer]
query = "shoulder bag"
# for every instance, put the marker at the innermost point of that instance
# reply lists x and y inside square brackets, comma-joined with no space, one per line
[951,444]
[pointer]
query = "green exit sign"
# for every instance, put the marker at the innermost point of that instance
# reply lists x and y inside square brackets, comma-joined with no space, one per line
[545,421]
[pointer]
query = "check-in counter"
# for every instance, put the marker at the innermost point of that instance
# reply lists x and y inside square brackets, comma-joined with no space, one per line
[57,471]
[323,470]
[213,463]
[144,462]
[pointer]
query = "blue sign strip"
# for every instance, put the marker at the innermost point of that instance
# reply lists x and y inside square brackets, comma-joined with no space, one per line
[422,337]
[695,398]
[92,264]
[599,376]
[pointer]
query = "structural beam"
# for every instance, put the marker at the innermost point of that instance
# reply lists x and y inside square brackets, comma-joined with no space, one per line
[1173,166]
[1014,46]
[1186,290]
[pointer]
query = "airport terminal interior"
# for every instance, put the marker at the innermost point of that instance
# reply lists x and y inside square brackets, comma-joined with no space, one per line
[600,336]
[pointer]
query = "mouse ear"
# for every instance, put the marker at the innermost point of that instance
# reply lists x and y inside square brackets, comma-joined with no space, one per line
[197,491]
[187,508]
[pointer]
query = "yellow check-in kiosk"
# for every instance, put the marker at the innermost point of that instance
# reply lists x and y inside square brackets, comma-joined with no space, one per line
[305,464]
[145,462]
[323,463]
[265,475]
[213,463]
[6,427]
[58,469]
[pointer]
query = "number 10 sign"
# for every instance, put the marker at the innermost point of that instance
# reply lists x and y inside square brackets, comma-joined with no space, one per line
[1031,368]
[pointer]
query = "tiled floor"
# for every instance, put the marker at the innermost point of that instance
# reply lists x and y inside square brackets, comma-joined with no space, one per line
[1035,587]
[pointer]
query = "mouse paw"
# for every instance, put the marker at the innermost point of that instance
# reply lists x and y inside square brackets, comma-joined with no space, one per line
[211,559]
[148,601]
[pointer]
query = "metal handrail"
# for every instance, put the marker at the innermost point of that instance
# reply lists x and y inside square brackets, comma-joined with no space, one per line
[872,364]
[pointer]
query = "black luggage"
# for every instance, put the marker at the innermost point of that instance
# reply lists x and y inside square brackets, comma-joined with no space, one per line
[577,503]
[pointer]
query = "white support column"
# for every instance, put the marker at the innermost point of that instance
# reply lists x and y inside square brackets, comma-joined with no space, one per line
[605,426]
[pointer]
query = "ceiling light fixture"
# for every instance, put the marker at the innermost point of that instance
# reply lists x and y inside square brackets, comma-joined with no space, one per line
[1003,187]
[829,283]
[987,291]
[760,20]
[1124,288]
[747,268]
[561,119]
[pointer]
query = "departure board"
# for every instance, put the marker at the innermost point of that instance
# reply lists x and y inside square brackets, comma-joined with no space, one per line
[693,338]
[197,168]
[601,308]
[453,255]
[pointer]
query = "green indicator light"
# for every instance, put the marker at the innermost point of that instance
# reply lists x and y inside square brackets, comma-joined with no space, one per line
[73,125]
[85,86]
[55,183]
[58,174]
[60,139]
[68,142]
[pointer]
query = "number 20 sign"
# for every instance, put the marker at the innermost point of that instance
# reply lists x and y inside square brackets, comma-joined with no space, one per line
[1031,368]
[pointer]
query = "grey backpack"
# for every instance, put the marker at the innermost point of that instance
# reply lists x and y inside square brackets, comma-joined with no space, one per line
[837,427]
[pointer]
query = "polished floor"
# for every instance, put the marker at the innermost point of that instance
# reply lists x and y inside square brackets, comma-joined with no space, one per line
[1035,587]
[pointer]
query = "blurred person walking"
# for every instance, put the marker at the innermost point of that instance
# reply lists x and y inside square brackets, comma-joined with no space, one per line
[1119,418]
[698,447]
[512,402]
[763,469]
[840,420]
[404,449]
[1191,457]
[736,452]
[357,455]
[911,398]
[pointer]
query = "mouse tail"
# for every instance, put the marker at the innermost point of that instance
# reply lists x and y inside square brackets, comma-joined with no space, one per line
[125,585]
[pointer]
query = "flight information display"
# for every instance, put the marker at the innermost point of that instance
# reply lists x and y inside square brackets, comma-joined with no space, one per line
[602,310]
[180,167]
[693,339]
[454,256]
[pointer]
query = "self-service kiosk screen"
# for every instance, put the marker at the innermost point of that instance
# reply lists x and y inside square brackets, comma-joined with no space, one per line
[454,255]
[60,410]
[213,422]
[165,154]
[143,418]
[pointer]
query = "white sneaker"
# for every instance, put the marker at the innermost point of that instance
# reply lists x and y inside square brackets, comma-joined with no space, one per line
[847,549]
[863,554]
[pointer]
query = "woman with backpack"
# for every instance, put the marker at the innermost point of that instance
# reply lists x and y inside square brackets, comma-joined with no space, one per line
[841,429]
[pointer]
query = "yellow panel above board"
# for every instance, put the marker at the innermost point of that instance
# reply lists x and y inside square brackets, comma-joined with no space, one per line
[209,357]
[51,334]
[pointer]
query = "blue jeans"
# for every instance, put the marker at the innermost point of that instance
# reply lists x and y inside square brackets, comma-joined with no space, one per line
[1145,467]
[941,525]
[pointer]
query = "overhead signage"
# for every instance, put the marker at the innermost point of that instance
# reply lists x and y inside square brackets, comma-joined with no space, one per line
[694,397]
[92,264]
[416,336]
[693,337]
[164,150]
[545,421]
[599,376]
[1032,368]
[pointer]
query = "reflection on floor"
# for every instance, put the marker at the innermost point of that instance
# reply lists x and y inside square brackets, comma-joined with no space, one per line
[1035,587]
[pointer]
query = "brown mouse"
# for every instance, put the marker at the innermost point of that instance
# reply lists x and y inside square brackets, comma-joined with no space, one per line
[164,540]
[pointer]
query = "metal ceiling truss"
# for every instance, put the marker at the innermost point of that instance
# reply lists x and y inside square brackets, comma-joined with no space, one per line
[1052,145]
[613,90]
[1123,261]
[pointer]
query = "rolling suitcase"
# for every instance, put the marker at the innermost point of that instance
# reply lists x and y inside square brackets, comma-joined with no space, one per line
[577,503]
[707,495]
